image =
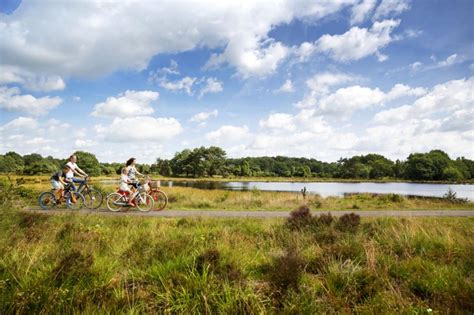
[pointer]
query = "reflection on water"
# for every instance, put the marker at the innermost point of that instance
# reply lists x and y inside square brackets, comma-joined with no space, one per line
[333,189]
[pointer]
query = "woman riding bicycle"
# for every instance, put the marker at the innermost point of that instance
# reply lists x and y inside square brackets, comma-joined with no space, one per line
[132,172]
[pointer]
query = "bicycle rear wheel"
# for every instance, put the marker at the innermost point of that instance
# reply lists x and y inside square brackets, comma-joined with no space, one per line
[47,200]
[93,199]
[115,202]
[160,199]
[70,202]
[144,202]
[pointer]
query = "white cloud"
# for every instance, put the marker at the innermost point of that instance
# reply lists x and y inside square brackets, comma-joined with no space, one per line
[212,86]
[362,10]
[358,42]
[133,129]
[76,98]
[20,123]
[29,80]
[203,116]
[12,100]
[389,8]
[448,62]
[320,84]
[85,41]
[84,143]
[228,133]
[185,84]
[280,121]
[251,57]
[446,98]
[286,87]
[416,66]
[129,103]
[344,101]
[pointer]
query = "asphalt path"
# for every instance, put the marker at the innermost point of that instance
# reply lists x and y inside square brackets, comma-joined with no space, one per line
[258,214]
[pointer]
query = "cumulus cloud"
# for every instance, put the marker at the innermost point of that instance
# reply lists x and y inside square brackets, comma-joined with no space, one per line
[357,42]
[85,41]
[29,80]
[36,135]
[286,87]
[133,129]
[320,84]
[344,101]
[212,85]
[20,123]
[12,100]
[129,103]
[228,134]
[185,84]
[389,8]
[203,116]
[445,98]
[362,10]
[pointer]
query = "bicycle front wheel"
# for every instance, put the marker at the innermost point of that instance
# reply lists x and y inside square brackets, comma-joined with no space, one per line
[115,202]
[47,200]
[93,199]
[74,203]
[144,202]
[160,199]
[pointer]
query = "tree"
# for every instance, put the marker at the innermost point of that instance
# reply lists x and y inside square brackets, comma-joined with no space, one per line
[419,166]
[18,164]
[40,167]
[440,161]
[452,173]
[88,163]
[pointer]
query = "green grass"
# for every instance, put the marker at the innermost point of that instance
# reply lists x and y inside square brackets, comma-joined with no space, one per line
[93,264]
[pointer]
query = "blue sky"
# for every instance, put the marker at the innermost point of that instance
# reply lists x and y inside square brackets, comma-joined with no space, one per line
[316,79]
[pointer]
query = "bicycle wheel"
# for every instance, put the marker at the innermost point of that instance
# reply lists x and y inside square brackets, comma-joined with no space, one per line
[160,199]
[79,204]
[93,199]
[115,202]
[144,202]
[47,200]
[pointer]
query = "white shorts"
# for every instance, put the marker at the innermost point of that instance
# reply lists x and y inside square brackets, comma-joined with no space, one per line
[56,184]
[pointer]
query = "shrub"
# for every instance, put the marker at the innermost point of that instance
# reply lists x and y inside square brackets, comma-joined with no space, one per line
[348,222]
[285,272]
[299,218]
[325,219]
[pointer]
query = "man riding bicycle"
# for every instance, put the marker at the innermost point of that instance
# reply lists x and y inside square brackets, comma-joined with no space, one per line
[74,169]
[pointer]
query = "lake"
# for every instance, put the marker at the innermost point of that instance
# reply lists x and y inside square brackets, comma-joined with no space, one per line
[334,189]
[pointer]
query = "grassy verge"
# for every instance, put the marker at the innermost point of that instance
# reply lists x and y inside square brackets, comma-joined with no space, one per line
[95,264]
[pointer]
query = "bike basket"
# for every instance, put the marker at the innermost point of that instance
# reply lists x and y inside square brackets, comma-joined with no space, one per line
[155,184]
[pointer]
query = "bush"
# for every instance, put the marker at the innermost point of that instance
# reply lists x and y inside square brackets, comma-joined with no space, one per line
[285,272]
[348,222]
[299,218]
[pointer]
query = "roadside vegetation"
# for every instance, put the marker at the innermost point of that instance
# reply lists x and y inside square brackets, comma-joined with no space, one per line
[306,264]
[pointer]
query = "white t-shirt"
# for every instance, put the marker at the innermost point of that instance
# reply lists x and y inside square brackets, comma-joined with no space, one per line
[72,167]
[124,183]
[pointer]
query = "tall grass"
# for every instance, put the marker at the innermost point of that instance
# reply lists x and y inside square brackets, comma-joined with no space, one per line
[94,264]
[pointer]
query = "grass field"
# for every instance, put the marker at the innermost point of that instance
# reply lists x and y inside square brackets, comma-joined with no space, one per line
[305,265]
[68,263]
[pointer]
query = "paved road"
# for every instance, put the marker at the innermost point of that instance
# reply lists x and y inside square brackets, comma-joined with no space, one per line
[262,214]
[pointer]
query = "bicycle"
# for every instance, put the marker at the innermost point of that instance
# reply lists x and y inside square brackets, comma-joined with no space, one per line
[48,200]
[93,198]
[159,196]
[118,200]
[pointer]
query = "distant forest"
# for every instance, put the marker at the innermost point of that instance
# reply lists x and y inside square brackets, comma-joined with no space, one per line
[212,161]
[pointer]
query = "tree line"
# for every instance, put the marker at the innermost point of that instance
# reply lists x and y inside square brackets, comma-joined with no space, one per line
[213,161]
